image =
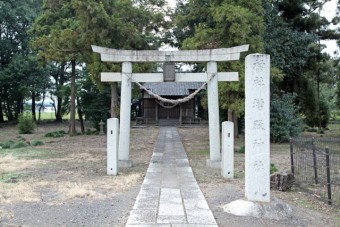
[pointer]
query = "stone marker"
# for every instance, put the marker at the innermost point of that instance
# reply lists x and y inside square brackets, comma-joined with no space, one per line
[227,169]
[112,146]
[101,127]
[257,130]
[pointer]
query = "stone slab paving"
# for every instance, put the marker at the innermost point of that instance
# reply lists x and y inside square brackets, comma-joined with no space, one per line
[170,195]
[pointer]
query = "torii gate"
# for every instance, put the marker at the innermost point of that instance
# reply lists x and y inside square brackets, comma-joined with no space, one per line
[211,56]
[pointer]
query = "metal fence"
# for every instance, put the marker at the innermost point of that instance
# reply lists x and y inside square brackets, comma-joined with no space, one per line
[315,163]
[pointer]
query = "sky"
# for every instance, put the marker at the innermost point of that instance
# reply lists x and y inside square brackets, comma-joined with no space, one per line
[329,12]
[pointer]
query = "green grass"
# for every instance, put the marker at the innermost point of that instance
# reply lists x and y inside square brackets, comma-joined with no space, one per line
[29,153]
[201,152]
[10,177]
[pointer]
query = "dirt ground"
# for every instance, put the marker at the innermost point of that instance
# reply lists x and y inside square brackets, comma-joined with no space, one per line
[64,181]
[307,210]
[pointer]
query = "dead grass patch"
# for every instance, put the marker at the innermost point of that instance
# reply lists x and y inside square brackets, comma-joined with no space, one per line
[10,163]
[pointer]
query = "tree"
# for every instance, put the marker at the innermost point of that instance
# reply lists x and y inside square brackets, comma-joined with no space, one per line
[26,78]
[121,25]
[285,121]
[294,29]
[58,37]
[218,24]
[16,18]
[67,29]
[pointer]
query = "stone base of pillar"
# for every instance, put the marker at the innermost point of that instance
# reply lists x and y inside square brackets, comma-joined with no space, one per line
[215,164]
[275,209]
[125,163]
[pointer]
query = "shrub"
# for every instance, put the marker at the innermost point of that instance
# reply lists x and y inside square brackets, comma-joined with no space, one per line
[312,119]
[26,124]
[285,121]
[56,134]
[312,130]
[273,168]
[19,145]
[37,143]
[91,132]
[242,150]
[7,144]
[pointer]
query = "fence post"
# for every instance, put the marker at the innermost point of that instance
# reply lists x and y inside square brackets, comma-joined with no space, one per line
[291,155]
[329,191]
[314,163]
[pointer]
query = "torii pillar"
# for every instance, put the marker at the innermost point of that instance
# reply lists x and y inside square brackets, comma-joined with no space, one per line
[211,57]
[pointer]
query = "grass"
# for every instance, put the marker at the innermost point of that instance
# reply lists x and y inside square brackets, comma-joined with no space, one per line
[10,177]
[28,153]
[201,152]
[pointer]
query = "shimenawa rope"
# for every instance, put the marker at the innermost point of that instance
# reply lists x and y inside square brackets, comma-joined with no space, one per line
[174,102]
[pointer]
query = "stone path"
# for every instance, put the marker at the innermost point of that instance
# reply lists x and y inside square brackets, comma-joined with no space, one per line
[170,195]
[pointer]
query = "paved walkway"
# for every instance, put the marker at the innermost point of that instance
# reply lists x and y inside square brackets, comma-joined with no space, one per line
[170,195]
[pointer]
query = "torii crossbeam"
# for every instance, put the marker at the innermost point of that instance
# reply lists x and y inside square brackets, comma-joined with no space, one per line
[211,56]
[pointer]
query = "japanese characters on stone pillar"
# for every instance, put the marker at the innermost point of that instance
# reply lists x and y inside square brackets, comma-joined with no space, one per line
[257,134]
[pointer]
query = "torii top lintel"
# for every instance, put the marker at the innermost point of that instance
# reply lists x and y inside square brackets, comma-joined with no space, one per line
[217,55]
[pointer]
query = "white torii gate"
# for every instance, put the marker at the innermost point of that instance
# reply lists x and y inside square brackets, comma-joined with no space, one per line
[211,56]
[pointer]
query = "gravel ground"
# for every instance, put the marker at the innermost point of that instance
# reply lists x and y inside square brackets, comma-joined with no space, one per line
[64,182]
[307,210]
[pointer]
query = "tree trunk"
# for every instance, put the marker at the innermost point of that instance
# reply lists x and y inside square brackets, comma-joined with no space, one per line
[230,115]
[80,115]
[58,115]
[9,112]
[233,118]
[33,107]
[42,104]
[59,83]
[72,124]
[2,120]
[114,100]
[18,108]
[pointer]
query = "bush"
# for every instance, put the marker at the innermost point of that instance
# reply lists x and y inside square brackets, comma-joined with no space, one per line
[19,145]
[26,124]
[312,119]
[242,150]
[37,143]
[56,134]
[91,132]
[285,121]
[273,168]
[7,144]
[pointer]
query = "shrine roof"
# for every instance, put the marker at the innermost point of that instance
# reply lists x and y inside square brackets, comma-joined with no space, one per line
[173,88]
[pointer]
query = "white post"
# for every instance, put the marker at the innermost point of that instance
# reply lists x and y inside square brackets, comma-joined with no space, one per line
[227,169]
[257,128]
[125,116]
[214,119]
[112,145]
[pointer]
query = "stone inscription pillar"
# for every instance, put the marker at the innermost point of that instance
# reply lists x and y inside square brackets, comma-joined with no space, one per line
[214,118]
[227,167]
[125,116]
[257,134]
[112,145]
